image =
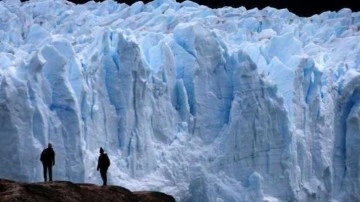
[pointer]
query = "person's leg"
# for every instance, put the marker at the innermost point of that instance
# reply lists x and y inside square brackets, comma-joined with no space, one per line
[50,173]
[45,174]
[103,176]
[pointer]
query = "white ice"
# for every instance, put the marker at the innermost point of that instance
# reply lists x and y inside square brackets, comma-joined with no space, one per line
[210,105]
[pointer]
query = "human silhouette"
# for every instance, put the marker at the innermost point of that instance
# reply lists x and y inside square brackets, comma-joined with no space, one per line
[103,165]
[48,160]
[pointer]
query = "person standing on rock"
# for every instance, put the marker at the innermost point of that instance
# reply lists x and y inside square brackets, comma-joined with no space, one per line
[47,158]
[103,165]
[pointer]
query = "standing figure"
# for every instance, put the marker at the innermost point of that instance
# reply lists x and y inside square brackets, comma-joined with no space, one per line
[103,165]
[48,160]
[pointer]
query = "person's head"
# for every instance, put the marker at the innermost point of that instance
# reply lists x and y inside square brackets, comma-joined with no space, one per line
[101,150]
[49,145]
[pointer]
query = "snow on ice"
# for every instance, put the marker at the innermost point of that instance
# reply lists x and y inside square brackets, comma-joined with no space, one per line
[204,104]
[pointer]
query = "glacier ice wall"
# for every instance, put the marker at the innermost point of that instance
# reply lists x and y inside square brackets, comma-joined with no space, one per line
[205,104]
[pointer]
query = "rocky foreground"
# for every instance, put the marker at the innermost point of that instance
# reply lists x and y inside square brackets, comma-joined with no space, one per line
[59,191]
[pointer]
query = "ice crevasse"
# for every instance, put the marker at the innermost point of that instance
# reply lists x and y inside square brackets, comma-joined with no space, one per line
[204,104]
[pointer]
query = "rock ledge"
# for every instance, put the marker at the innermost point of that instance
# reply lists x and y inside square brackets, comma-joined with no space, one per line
[61,191]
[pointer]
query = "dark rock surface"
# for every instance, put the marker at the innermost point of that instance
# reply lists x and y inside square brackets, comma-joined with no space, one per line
[61,191]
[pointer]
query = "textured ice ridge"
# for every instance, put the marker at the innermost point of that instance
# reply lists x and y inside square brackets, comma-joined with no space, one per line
[204,104]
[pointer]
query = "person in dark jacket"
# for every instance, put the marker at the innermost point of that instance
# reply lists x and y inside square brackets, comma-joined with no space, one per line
[103,165]
[48,160]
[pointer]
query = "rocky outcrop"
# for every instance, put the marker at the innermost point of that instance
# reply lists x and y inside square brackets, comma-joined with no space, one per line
[60,191]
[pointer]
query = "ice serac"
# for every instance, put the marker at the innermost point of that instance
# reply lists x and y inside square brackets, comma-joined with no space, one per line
[204,104]
[63,102]
[16,115]
[208,80]
[346,145]
[257,110]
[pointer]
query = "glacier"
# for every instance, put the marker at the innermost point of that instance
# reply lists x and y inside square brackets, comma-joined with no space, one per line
[210,105]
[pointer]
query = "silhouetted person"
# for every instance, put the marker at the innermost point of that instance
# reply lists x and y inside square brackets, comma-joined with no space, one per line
[103,165]
[48,160]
